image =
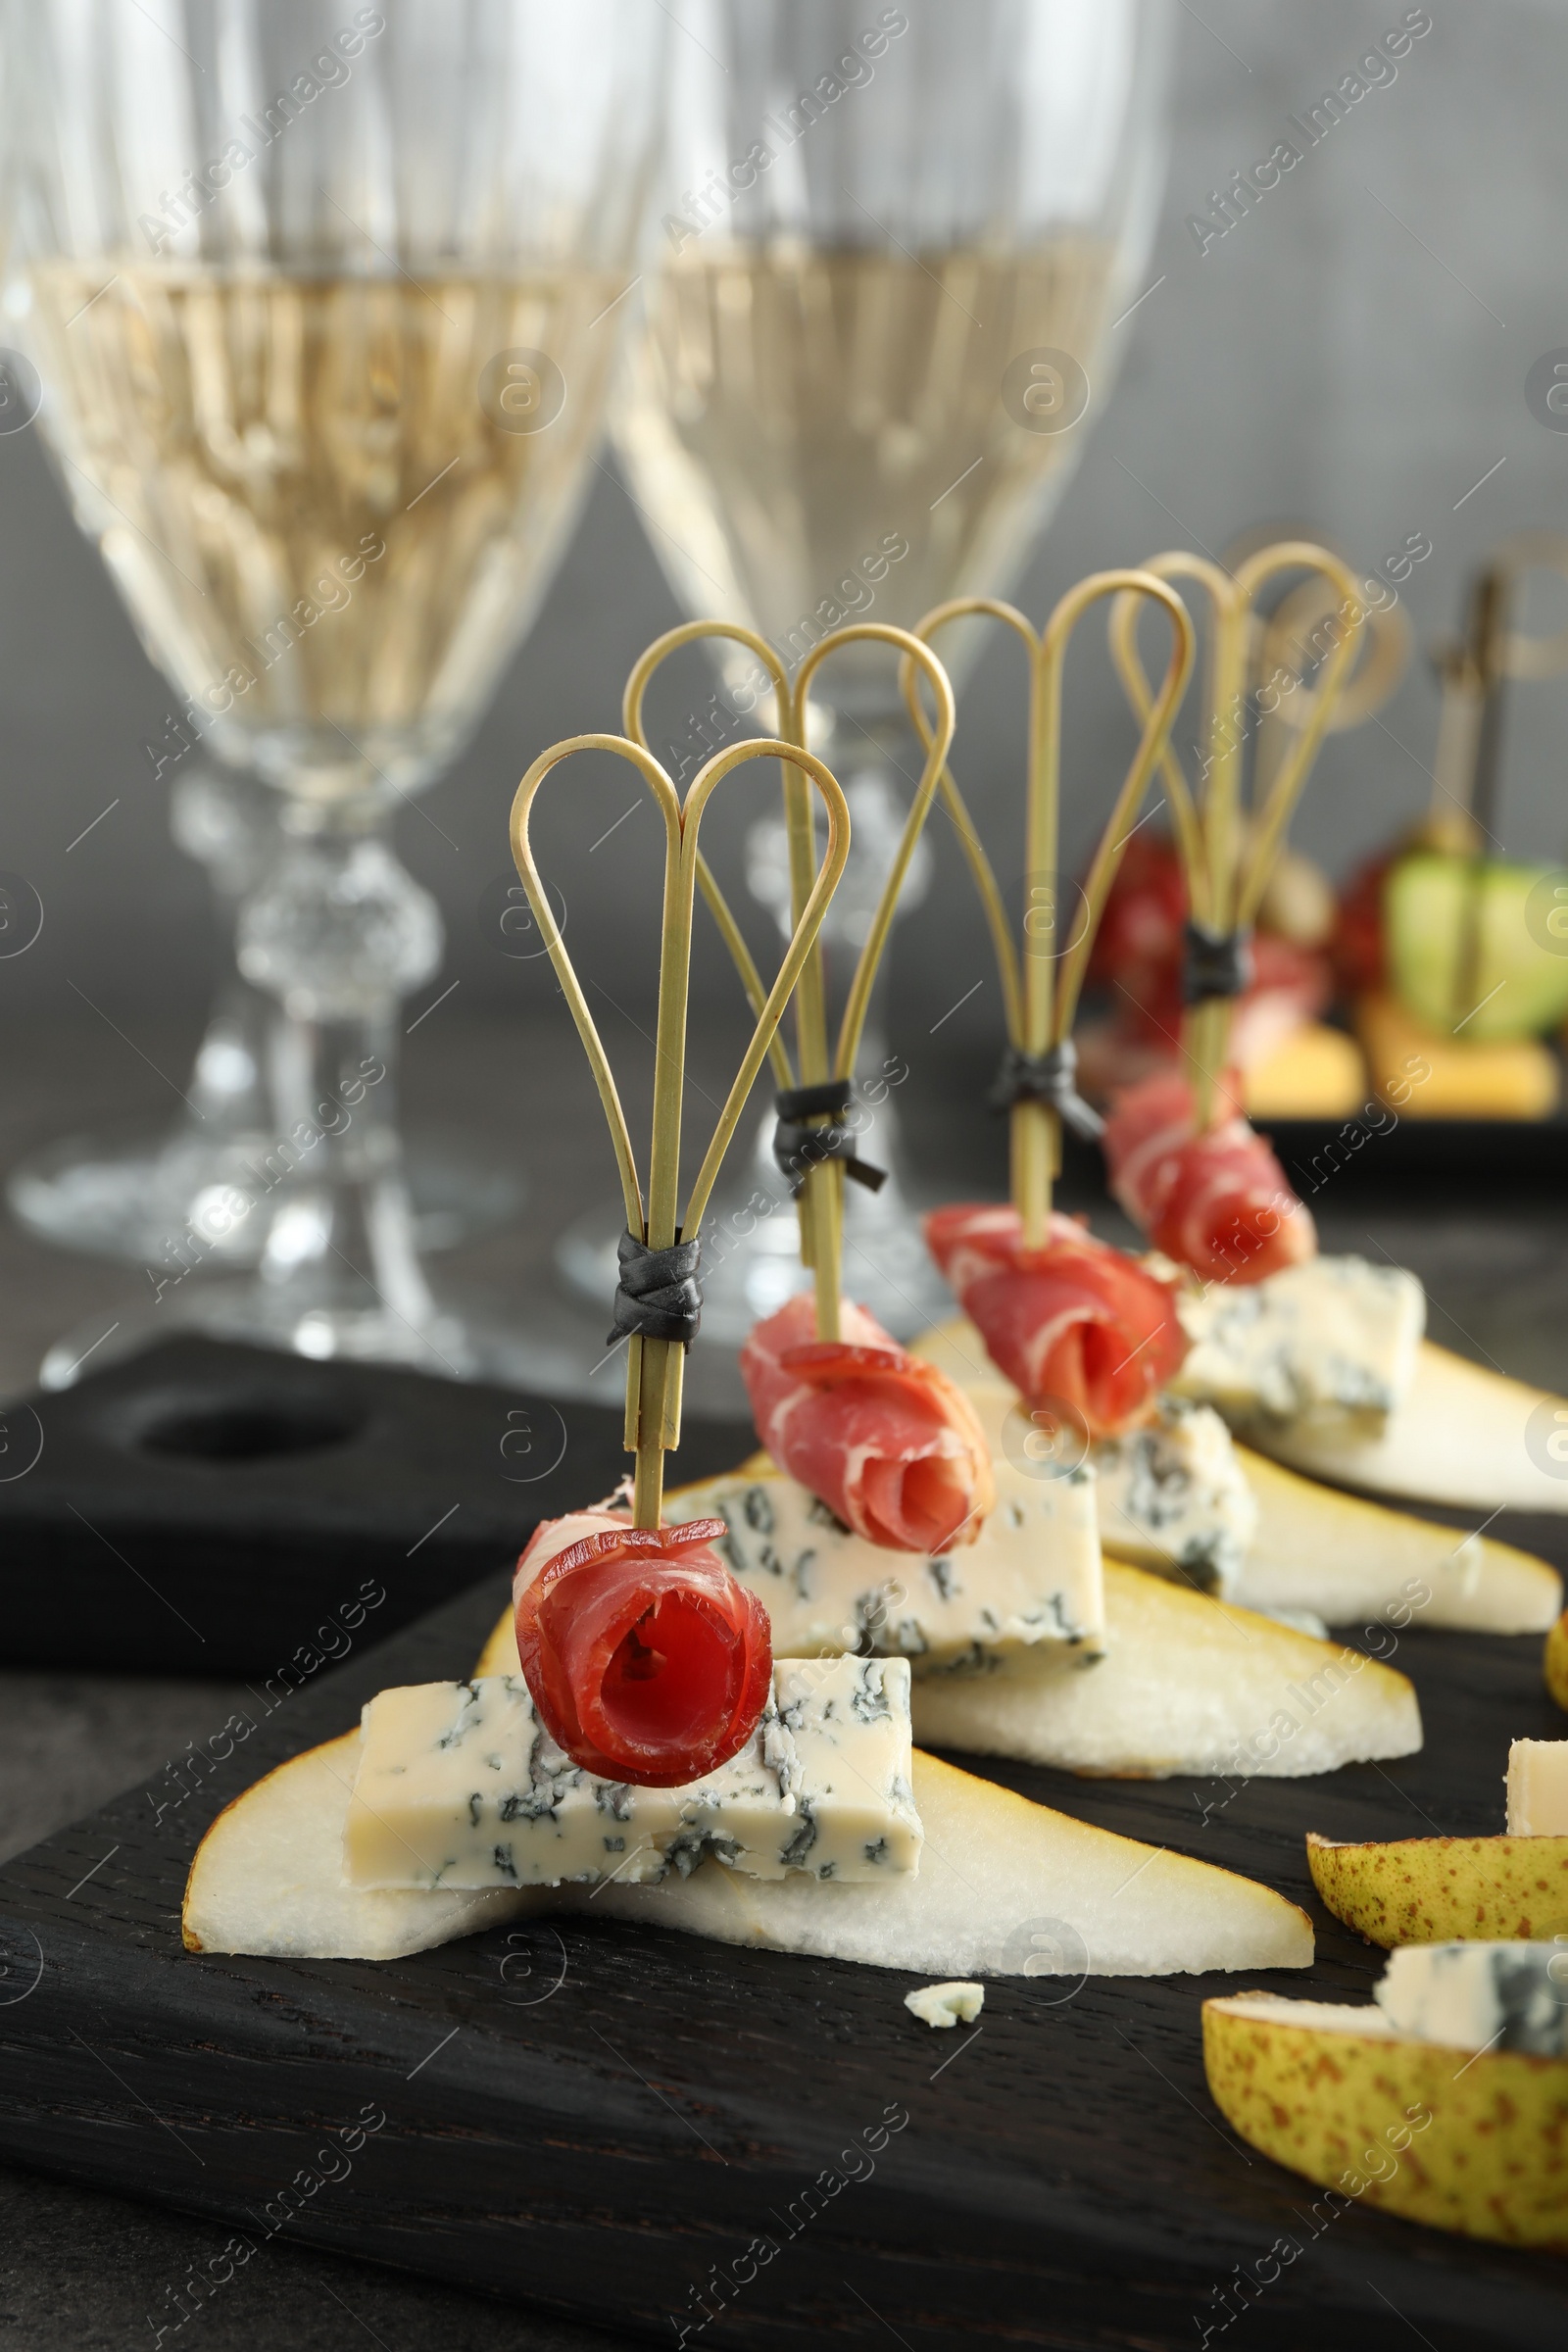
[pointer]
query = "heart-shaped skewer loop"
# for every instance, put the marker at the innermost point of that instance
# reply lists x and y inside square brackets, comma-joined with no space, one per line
[1040,986]
[1229,853]
[633,723]
[655,1363]
[817,1068]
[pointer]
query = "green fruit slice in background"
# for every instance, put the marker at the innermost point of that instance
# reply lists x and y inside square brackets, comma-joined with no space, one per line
[1519,984]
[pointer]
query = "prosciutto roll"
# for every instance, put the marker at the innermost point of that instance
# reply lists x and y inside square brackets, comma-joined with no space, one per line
[647,1661]
[1218,1202]
[888,1442]
[1073,1323]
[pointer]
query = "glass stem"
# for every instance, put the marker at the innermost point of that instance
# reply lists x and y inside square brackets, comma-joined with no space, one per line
[338,932]
[346,1225]
[228,823]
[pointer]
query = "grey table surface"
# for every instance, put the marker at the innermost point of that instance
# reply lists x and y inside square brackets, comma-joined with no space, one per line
[78,2270]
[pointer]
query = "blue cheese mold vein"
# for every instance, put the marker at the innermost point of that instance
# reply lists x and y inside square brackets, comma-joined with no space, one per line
[1174,1496]
[1031,1575]
[460,1786]
[1333,1335]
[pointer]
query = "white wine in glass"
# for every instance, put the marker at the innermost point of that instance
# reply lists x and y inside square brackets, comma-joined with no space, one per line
[325,303]
[302,496]
[823,433]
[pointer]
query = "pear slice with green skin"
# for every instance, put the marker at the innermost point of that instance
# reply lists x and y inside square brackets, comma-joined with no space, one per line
[1556,1660]
[1345,1558]
[1005,1888]
[1459,934]
[1186,1685]
[1473,2143]
[1445,1890]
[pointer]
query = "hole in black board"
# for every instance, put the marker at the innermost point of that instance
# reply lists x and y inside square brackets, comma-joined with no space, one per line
[240,1431]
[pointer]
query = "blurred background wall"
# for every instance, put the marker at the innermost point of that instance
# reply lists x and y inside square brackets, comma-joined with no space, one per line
[1352,357]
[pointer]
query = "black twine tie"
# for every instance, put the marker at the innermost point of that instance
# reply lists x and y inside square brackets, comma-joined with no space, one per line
[798,1148]
[1051,1078]
[1216,965]
[657,1294]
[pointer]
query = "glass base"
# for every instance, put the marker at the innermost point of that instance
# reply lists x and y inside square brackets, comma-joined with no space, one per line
[561,1353]
[136,1198]
[450,1345]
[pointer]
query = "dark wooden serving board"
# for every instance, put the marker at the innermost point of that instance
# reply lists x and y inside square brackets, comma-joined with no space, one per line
[588,2120]
[209,1508]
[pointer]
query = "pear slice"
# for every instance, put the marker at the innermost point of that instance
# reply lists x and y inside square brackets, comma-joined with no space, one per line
[1005,1888]
[1474,2144]
[956,1348]
[1334,1553]
[1556,1660]
[500,1652]
[1316,1548]
[1445,1890]
[1187,1685]
[268,1877]
[1460,1435]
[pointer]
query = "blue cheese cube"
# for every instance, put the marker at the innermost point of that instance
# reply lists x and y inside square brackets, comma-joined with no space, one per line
[1170,1496]
[1480,1997]
[460,1786]
[1031,1575]
[1173,1497]
[1333,1334]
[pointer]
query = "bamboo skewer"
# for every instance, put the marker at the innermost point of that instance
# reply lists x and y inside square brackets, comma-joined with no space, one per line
[821,1197]
[810,1021]
[1040,988]
[1468,767]
[1464,672]
[691,632]
[828,1177]
[1289,647]
[1453,762]
[1227,858]
[655,1366]
[1522,653]
[1492,602]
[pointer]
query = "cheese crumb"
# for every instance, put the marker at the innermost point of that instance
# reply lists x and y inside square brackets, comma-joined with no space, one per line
[946,2004]
[1538,1788]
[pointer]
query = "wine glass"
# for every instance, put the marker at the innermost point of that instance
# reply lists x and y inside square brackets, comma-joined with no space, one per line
[138,1195]
[324,300]
[132,1197]
[878,329]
